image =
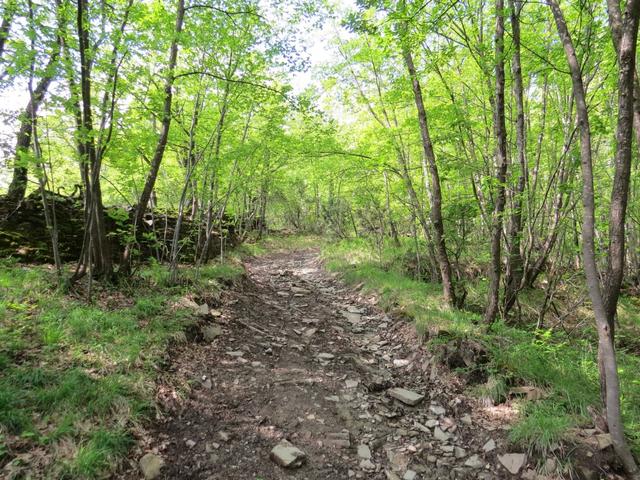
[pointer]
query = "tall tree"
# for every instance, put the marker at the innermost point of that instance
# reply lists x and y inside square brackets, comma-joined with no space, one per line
[97,256]
[18,186]
[8,12]
[515,267]
[501,169]
[165,126]
[435,192]
[604,295]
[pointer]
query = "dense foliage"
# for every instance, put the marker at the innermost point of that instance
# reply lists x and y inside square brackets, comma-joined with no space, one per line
[491,143]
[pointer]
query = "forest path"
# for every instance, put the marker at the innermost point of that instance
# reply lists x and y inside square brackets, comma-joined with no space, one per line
[297,355]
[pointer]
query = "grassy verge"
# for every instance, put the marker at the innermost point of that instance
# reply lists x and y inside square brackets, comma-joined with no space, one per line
[76,378]
[562,365]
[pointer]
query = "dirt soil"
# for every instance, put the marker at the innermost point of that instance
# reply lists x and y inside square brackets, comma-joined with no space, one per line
[299,356]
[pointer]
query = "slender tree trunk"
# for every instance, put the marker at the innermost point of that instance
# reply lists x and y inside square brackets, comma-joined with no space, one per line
[617,223]
[413,196]
[7,18]
[515,266]
[225,201]
[191,164]
[442,256]
[49,209]
[161,145]
[204,256]
[392,224]
[49,214]
[616,24]
[501,170]
[604,298]
[18,185]
[262,213]
[625,41]
[100,260]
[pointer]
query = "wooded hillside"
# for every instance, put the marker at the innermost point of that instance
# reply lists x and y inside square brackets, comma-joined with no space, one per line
[488,148]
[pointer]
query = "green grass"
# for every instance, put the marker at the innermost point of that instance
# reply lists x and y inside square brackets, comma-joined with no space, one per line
[75,379]
[563,365]
[420,301]
[542,425]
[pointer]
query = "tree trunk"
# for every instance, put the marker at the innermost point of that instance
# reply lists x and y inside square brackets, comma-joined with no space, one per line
[501,170]
[191,163]
[204,256]
[605,299]
[392,224]
[515,268]
[100,261]
[435,191]
[163,137]
[18,185]
[616,24]
[5,26]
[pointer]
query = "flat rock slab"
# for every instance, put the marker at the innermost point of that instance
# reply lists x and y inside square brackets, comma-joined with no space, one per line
[440,435]
[410,475]
[186,302]
[151,464]
[300,291]
[513,462]
[309,332]
[367,465]
[287,455]
[604,440]
[489,446]
[474,461]
[211,332]
[338,440]
[406,396]
[354,318]
[364,452]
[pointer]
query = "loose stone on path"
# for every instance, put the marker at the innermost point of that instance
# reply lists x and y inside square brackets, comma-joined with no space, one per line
[513,462]
[300,291]
[364,452]
[367,465]
[489,446]
[151,464]
[410,475]
[287,455]
[326,356]
[338,440]
[211,332]
[459,452]
[203,309]
[474,461]
[438,434]
[406,396]
[351,383]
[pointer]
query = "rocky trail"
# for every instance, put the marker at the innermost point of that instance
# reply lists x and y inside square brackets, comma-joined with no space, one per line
[295,375]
